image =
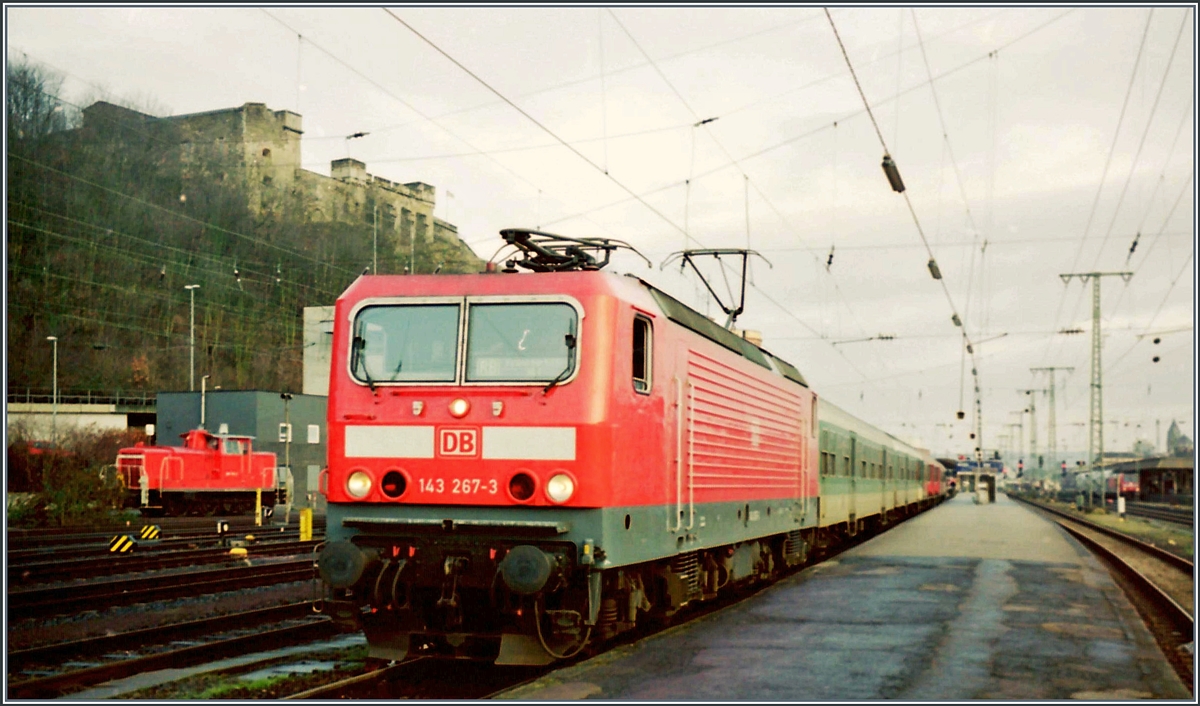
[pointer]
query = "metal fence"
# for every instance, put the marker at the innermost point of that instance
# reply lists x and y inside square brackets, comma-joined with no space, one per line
[120,398]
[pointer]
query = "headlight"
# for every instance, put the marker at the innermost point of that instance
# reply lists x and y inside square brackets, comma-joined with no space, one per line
[560,488]
[459,408]
[358,484]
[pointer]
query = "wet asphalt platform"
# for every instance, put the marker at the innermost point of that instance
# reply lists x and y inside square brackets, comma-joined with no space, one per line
[964,601]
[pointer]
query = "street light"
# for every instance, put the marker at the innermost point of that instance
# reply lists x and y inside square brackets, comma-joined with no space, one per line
[54,400]
[203,385]
[192,380]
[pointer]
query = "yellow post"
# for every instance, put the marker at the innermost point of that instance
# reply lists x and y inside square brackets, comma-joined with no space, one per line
[258,508]
[306,524]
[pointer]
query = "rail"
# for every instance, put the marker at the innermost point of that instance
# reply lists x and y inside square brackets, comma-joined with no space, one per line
[1157,552]
[1174,515]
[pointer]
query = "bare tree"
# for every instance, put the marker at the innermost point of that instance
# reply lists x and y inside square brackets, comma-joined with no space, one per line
[34,107]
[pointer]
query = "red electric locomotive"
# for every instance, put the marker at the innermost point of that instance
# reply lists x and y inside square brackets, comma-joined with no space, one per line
[1122,484]
[209,474]
[522,464]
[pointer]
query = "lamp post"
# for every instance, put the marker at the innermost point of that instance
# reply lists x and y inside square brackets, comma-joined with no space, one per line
[203,385]
[54,400]
[192,379]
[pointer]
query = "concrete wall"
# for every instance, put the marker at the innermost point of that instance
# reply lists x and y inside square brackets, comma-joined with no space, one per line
[40,422]
[318,349]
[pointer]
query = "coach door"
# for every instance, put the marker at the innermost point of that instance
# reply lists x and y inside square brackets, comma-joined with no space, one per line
[885,482]
[853,481]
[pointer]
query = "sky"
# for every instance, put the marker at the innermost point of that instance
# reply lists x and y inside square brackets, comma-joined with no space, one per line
[1032,142]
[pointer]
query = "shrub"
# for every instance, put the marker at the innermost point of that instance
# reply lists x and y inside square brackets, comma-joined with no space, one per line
[66,481]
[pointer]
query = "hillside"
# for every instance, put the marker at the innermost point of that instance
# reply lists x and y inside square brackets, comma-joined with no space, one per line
[110,218]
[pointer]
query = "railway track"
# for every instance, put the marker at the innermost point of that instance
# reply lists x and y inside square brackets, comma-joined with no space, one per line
[99,545]
[48,601]
[1161,585]
[178,528]
[106,564]
[1177,516]
[157,649]
[417,678]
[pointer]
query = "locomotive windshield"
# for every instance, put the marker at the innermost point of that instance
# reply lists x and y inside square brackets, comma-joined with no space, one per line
[531,342]
[410,343]
[507,342]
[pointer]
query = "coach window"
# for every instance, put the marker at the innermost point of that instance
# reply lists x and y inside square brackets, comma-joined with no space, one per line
[642,351]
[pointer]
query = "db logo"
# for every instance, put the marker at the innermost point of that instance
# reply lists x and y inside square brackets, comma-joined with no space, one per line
[458,442]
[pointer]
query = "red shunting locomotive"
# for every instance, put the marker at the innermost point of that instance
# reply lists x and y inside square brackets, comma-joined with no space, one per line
[209,474]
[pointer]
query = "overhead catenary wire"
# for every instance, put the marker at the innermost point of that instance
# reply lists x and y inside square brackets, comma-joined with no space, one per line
[431,119]
[883,142]
[583,157]
[175,213]
[826,126]
[1104,173]
[706,123]
[1142,143]
[610,73]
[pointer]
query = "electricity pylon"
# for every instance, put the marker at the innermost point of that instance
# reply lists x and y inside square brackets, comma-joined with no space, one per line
[1096,403]
[1033,425]
[1051,424]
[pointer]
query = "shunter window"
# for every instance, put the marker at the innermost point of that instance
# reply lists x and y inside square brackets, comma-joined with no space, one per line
[641,354]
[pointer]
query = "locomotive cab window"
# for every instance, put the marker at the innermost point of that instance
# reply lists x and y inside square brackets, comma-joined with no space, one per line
[235,447]
[527,342]
[408,343]
[642,350]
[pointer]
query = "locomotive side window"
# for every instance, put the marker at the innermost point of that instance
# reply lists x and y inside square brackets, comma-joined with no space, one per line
[532,342]
[641,354]
[235,447]
[409,343]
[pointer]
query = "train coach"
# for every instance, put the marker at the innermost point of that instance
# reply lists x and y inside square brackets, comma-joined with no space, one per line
[523,465]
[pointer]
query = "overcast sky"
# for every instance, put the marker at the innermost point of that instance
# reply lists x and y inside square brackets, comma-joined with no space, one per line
[1053,135]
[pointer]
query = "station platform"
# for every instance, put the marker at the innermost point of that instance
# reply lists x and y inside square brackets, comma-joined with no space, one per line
[965,601]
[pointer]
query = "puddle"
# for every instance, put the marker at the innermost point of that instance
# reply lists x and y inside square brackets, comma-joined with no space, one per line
[281,670]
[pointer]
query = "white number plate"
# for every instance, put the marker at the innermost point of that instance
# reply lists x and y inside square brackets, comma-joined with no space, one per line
[458,486]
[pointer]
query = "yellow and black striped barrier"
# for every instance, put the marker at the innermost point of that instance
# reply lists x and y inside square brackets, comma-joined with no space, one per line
[122,543]
[150,532]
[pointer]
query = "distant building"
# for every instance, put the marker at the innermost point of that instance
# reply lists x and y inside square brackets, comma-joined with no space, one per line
[261,148]
[1177,443]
